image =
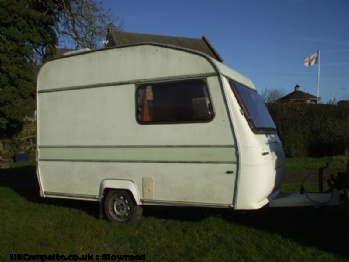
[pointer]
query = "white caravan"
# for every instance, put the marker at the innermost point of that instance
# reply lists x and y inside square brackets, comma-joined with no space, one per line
[153,124]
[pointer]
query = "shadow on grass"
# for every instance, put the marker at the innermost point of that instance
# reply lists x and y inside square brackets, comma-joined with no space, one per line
[324,228]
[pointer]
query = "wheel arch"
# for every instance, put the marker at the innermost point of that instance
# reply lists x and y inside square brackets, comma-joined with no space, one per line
[119,184]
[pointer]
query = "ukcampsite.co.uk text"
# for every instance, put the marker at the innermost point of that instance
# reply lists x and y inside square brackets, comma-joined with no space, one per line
[86,257]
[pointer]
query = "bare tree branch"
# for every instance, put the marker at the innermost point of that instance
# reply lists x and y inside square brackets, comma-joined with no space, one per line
[271,95]
[83,23]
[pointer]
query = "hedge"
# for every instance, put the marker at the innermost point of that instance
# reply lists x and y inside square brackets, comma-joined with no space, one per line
[308,130]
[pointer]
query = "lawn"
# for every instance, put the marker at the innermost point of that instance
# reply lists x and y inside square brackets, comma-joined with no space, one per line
[338,162]
[36,226]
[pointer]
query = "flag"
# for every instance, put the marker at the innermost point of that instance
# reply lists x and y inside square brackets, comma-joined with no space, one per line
[311,60]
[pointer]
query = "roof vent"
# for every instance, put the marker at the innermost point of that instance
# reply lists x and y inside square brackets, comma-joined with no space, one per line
[74,52]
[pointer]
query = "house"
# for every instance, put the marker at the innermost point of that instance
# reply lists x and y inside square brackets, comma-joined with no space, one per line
[298,96]
[117,38]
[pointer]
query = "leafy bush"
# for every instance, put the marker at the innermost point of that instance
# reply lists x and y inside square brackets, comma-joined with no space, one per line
[311,130]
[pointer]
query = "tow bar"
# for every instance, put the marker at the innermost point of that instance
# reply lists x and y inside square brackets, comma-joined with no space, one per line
[320,197]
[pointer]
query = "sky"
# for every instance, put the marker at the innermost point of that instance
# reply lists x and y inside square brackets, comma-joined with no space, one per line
[266,40]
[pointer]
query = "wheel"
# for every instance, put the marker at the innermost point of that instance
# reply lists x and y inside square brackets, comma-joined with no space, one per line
[119,206]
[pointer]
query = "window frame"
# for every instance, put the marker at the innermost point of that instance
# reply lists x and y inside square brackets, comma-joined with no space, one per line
[171,82]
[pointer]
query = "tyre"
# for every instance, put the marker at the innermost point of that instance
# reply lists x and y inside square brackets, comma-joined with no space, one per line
[119,206]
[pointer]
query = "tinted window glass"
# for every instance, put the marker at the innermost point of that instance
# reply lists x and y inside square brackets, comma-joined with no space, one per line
[255,111]
[184,101]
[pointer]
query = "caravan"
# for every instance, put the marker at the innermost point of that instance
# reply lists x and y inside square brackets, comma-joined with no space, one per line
[153,124]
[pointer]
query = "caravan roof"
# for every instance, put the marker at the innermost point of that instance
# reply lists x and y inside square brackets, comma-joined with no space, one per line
[181,61]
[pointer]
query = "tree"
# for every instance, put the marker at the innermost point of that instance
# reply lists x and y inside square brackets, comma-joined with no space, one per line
[83,23]
[23,31]
[30,31]
[271,95]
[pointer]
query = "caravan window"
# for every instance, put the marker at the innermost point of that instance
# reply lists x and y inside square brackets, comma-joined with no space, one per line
[254,109]
[173,102]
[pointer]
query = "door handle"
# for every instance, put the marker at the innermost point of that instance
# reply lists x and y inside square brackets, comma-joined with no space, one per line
[229,172]
[265,153]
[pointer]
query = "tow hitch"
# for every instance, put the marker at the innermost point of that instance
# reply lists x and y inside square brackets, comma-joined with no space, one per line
[341,182]
[338,190]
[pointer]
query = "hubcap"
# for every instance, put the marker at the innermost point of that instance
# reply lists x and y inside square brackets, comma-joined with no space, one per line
[121,207]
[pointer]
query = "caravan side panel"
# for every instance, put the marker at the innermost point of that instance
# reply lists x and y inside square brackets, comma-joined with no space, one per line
[88,129]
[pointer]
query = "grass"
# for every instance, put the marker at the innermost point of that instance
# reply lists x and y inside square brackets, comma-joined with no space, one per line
[339,162]
[30,224]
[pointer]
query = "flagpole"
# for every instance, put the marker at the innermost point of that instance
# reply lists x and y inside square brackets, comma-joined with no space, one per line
[318,77]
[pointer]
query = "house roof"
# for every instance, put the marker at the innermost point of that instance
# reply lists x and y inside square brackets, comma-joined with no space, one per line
[298,95]
[116,38]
